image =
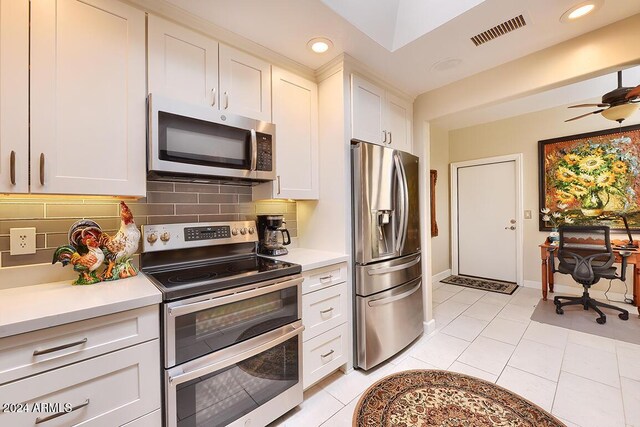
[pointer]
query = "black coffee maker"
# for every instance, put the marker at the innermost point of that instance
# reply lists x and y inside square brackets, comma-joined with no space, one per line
[268,228]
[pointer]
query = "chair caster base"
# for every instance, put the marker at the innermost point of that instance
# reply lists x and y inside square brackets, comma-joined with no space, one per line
[624,316]
[601,320]
[559,310]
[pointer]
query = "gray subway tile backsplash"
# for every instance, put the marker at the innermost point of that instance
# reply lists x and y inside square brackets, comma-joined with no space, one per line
[166,202]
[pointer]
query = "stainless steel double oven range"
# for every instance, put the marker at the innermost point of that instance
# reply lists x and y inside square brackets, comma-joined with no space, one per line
[231,321]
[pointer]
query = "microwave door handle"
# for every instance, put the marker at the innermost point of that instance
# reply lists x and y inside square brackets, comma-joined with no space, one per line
[254,149]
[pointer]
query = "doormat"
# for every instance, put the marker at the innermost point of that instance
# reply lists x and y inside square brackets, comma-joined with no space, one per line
[578,319]
[483,284]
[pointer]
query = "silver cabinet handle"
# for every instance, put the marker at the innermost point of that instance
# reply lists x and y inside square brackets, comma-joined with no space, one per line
[326,355]
[326,278]
[390,138]
[326,311]
[226,100]
[254,149]
[12,167]
[513,227]
[213,96]
[58,348]
[59,414]
[278,179]
[384,132]
[41,168]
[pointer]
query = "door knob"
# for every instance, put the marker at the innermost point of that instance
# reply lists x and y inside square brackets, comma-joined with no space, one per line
[513,227]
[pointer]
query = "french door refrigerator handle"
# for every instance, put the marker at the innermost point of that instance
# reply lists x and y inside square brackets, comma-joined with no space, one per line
[383,301]
[385,270]
[404,196]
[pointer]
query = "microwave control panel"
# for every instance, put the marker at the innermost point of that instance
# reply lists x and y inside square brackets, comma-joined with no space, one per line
[265,152]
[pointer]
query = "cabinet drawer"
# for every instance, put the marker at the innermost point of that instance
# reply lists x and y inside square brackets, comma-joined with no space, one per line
[35,352]
[111,390]
[320,278]
[324,354]
[153,419]
[324,310]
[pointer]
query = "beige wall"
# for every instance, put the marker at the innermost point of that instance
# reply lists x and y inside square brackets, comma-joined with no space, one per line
[440,245]
[521,135]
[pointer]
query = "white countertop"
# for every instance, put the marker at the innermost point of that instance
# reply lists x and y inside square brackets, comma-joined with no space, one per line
[28,308]
[311,258]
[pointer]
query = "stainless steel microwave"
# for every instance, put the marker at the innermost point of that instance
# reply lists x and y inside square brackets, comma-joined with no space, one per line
[196,143]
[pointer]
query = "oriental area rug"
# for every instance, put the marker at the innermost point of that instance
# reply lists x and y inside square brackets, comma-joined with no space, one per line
[432,398]
[482,284]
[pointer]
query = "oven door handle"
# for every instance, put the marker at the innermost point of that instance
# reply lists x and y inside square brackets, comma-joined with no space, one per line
[213,362]
[181,310]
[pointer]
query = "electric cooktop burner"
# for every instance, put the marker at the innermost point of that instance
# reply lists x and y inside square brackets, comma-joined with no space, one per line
[185,260]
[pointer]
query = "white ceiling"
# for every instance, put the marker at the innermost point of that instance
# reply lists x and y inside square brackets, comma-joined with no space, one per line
[285,26]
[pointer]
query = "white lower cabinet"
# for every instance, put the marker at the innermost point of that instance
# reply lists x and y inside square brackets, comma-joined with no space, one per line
[108,377]
[325,316]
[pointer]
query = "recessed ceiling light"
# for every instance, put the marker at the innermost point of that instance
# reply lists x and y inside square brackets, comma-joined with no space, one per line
[446,64]
[580,10]
[320,44]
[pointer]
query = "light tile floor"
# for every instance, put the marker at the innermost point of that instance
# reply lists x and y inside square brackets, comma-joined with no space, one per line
[585,380]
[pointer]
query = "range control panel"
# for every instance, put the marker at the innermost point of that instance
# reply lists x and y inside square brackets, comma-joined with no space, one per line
[205,233]
[162,237]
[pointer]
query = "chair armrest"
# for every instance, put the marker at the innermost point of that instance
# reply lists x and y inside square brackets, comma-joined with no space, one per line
[552,259]
[623,273]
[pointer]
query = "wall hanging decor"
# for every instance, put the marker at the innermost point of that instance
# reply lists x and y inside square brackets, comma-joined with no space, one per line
[433,174]
[89,247]
[594,176]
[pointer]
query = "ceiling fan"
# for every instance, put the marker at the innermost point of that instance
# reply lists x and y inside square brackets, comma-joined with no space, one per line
[617,105]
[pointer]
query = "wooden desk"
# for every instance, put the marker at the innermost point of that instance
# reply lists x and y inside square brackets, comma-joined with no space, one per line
[633,259]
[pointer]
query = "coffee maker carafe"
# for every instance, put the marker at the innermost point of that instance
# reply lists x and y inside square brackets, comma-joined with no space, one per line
[269,226]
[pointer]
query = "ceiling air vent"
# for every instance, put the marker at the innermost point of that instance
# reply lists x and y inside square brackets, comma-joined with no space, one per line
[499,30]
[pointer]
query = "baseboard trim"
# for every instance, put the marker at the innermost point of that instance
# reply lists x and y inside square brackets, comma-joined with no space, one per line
[429,327]
[439,276]
[565,289]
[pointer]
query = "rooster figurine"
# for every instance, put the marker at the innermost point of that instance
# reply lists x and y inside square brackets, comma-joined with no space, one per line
[85,264]
[119,249]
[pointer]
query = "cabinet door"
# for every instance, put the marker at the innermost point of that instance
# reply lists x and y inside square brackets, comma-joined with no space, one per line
[245,84]
[14,96]
[367,111]
[295,114]
[183,64]
[87,98]
[399,119]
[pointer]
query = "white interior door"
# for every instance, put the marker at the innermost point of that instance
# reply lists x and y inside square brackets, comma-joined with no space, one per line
[487,206]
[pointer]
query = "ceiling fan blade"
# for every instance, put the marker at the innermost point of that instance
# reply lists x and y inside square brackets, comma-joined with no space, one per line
[634,93]
[588,105]
[584,115]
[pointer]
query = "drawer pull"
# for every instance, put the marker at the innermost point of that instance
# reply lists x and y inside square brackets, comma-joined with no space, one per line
[59,414]
[60,347]
[326,311]
[326,278]
[326,355]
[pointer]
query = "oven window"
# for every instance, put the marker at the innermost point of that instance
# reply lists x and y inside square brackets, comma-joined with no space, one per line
[212,329]
[221,397]
[188,140]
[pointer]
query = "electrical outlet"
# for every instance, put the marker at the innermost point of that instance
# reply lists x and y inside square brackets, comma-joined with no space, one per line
[527,214]
[22,241]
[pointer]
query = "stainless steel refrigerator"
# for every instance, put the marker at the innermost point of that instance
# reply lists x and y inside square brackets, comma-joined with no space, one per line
[386,247]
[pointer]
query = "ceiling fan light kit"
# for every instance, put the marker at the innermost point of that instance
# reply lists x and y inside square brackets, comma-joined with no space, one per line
[617,105]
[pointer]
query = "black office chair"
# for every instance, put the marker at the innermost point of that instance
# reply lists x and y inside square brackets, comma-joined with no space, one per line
[586,254]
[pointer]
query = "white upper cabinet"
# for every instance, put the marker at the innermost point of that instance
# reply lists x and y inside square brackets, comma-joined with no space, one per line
[183,64]
[399,121]
[295,114]
[367,116]
[245,84]
[379,116]
[87,98]
[14,96]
